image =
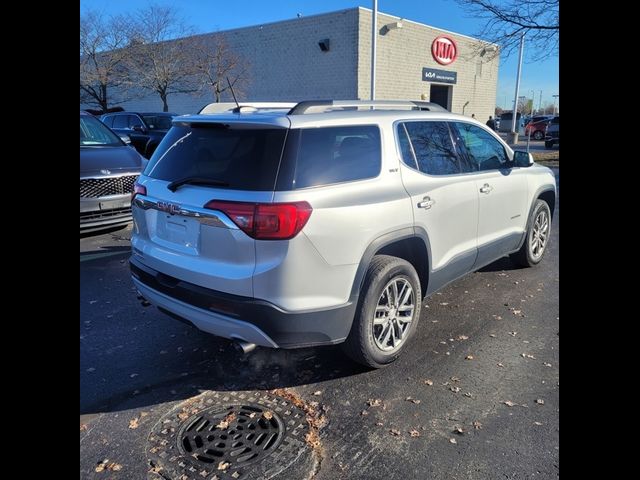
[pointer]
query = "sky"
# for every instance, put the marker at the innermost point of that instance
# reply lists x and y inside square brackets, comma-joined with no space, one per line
[213,15]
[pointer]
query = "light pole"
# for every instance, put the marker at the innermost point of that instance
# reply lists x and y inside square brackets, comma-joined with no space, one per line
[554,103]
[513,135]
[540,104]
[533,94]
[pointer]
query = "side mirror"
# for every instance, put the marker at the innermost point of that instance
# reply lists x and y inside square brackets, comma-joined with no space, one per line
[522,159]
[138,128]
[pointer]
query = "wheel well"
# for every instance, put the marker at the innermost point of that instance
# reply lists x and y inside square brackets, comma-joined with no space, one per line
[550,197]
[414,251]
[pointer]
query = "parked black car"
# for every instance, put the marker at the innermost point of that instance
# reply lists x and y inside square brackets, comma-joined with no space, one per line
[108,170]
[552,135]
[145,130]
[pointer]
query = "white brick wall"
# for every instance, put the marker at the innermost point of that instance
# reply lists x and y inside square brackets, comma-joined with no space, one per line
[288,65]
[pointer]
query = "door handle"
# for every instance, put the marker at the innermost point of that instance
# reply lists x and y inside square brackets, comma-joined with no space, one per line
[486,188]
[426,203]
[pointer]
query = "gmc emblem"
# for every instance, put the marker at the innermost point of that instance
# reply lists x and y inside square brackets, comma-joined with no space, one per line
[171,208]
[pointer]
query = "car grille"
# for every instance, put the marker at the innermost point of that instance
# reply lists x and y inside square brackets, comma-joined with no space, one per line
[100,187]
[105,214]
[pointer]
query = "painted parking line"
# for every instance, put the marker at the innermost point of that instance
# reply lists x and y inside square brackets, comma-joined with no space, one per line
[94,256]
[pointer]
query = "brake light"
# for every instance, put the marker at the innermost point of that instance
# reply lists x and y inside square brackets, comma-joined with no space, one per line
[137,188]
[265,221]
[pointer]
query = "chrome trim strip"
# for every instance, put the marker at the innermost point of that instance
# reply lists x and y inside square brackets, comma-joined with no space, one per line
[112,175]
[204,216]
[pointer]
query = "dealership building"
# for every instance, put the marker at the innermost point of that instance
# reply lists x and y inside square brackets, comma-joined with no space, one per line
[328,56]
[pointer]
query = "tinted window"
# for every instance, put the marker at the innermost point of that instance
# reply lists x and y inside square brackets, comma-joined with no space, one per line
[483,150]
[121,121]
[95,134]
[134,121]
[333,155]
[246,159]
[434,152]
[158,122]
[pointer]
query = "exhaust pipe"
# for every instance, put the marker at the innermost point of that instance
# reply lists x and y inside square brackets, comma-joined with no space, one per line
[244,347]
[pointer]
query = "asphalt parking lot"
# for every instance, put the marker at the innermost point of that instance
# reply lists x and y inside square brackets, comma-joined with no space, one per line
[475,395]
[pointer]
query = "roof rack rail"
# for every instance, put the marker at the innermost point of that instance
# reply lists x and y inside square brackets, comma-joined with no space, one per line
[222,107]
[303,107]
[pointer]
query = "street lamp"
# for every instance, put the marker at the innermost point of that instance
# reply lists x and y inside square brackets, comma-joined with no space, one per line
[554,103]
[531,108]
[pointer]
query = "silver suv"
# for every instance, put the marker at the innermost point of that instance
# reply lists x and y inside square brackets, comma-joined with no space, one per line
[329,222]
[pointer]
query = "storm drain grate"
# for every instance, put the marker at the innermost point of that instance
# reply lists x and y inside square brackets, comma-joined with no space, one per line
[238,434]
[246,435]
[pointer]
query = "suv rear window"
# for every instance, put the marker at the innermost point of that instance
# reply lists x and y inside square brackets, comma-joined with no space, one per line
[328,155]
[244,158]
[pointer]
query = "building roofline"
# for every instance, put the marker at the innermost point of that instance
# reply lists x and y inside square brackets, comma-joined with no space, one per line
[429,26]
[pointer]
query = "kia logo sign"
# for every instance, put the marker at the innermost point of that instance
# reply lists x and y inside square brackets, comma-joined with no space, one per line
[444,50]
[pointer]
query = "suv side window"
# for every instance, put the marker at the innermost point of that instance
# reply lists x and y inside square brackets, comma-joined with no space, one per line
[134,121]
[330,155]
[483,150]
[121,121]
[108,121]
[429,147]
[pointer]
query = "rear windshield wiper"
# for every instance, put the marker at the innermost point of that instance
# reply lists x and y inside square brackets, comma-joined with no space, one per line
[173,186]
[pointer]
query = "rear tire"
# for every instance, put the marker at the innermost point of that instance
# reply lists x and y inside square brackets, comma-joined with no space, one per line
[386,316]
[537,239]
[538,135]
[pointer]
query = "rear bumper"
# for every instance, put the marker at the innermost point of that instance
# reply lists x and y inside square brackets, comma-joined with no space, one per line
[242,318]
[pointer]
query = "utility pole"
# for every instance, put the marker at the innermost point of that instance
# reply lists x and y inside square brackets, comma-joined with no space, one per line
[513,135]
[540,102]
[374,38]
[554,104]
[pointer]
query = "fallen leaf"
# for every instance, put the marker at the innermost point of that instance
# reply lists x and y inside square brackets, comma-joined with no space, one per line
[91,302]
[454,379]
[447,353]
[224,424]
[317,392]
[513,334]
[517,312]
[453,440]
[498,317]
[204,473]
[537,423]
[444,303]
[364,412]
[443,342]
[468,394]
[414,433]
[183,415]
[458,430]
[477,425]
[527,355]
[133,375]
[500,365]
[469,357]
[252,414]
[492,335]
[223,465]
[235,474]
[412,400]
[463,337]
[268,415]
[454,389]
[83,427]
[540,401]
[546,364]
[380,424]
[394,432]
[429,382]
[376,402]
[509,403]
[133,424]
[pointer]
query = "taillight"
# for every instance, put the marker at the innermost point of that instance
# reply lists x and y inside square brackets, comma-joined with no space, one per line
[265,221]
[137,188]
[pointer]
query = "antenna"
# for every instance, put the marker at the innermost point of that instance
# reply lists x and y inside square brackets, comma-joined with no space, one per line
[232,93]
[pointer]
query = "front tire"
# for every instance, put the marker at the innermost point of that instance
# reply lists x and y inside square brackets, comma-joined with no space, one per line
[538,135]
[537,239]
[387,314]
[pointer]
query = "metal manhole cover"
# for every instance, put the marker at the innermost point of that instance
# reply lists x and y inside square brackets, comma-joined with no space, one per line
[238,434]
[231,435]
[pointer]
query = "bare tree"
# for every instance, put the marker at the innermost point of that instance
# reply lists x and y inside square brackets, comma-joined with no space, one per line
[103,56]
[215,62]
[506,20]
[164,55]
